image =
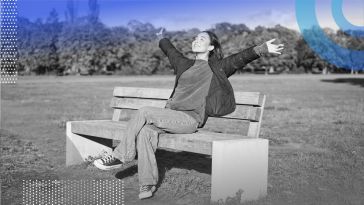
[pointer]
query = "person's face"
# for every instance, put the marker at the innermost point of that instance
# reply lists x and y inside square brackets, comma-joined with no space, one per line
[201,44]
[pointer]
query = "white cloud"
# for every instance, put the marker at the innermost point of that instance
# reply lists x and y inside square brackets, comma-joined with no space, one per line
[181,22]
[270,18]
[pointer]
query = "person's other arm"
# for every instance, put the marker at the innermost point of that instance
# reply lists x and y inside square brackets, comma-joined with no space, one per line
[168,49]
[238,60]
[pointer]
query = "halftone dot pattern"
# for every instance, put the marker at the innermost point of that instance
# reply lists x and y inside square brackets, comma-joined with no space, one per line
[77,192]
[8,41]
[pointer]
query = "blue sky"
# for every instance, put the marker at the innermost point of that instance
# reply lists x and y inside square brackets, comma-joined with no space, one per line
[202,14]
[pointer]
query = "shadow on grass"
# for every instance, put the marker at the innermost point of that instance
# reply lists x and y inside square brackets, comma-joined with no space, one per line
[352,81]
[167,160]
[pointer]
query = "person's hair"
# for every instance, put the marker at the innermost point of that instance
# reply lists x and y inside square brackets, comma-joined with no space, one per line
[214,41]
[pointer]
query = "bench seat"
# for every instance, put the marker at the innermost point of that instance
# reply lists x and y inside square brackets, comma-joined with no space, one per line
[198,142]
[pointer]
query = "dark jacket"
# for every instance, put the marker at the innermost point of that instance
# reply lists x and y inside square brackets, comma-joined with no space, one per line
[220,99]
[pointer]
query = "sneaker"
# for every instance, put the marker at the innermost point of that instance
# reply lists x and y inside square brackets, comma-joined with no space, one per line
[108,162]
[146,191]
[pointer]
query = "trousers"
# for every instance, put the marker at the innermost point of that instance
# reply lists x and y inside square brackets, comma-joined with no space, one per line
[142,134]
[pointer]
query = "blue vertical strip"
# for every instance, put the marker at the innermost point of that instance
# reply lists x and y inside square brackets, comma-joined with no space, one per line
[8,39]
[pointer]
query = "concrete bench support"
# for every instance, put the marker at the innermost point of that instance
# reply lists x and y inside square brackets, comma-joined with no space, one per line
[80,147]
[240,164]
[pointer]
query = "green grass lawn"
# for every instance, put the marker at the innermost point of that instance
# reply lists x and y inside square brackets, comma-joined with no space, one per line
[315,125]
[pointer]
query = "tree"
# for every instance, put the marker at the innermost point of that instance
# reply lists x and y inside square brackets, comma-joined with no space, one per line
[53,17]
[71,12]
[94,10]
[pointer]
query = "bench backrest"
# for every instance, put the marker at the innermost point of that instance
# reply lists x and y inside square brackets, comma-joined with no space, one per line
[249,105]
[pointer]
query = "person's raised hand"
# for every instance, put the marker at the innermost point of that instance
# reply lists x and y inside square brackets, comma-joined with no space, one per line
[273,48]
[160,33]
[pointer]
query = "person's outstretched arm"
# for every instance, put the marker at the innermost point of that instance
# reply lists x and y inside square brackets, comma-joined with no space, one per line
[238,60]
[168,49]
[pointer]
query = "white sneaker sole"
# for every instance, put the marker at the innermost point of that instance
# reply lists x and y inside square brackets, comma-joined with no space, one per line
[100,166]
[145,195]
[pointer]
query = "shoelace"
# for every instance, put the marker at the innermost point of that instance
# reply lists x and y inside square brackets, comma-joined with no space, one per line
[107,159]
[145,188]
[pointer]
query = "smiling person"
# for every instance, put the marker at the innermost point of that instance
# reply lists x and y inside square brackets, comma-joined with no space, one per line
[201,89]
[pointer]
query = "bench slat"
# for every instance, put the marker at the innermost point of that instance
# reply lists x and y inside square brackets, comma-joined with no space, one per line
[135,103]
[199,142]
[249,98]
[99,128]
[243,98]
[242,112]
[152,93]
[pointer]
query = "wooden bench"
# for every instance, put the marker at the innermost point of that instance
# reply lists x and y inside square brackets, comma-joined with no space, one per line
[239,161]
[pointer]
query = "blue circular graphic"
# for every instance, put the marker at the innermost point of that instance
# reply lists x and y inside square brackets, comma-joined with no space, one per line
[345,25]
[320,43]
